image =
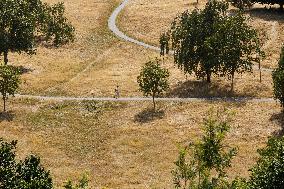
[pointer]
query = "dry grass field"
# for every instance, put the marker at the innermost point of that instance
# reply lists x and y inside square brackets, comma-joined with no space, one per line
[121,146]
[97,61]
[146,20]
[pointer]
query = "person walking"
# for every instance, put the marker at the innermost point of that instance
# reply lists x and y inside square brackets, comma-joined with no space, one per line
[116,92]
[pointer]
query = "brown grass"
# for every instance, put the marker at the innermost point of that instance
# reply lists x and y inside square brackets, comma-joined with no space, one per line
[146,20]
[122,145]
[98,61]
[120,151]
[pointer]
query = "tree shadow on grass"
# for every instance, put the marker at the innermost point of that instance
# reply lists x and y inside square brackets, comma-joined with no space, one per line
[24,70]
[202,89]
[279,119]
[149,115]
[7,116]
[267,14]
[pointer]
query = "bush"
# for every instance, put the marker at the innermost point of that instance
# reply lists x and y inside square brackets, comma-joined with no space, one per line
[269,170]
[27,174]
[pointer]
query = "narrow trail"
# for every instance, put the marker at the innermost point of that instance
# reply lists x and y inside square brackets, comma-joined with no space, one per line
[130,99]
[113,27]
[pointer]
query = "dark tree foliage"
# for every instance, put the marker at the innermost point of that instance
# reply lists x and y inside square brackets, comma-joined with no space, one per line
[27,174]
[164,44]
[153,80]
[25,23]
[236,45]
[9,82]
[189,33]
[278,80]
[270,2]
[209,41]
[268,173]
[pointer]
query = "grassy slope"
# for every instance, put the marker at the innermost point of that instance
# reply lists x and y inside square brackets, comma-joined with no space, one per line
[120,147]
[146,20]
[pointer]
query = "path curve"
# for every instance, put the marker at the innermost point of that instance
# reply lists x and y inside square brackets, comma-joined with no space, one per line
[112,26]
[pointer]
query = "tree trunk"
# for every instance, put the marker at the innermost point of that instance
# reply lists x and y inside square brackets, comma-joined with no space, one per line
[281,6]
[260,73]
[4,104]
[232,80]
[6,57]
[208,76]
[154,103]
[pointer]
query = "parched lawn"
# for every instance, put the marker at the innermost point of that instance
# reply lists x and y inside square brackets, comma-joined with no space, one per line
[121,145]
[146,20]
[98,61]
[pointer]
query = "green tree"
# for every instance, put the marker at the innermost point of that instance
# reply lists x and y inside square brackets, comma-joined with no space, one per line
[9,82]
[208,158]
[268,173]
[27,174]
[278,79]
[164,44]
[209,41]
[238,46]
[153,79]
[189,34]
[25,23]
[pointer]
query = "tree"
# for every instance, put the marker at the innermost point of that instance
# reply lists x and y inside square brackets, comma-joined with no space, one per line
[209,157]
[278,79]
[23,174]
[153,79]
[238,46]
[9,82]
[210,42]
[164,44]
[269,170]
[189,34]
[271,2]
[26,23]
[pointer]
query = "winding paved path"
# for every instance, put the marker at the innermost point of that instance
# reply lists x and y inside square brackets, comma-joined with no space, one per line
[129,99]
[113,27]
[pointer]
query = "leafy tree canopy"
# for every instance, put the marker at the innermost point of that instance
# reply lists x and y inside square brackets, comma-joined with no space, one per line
[153,79]
[269,170]
[210,41]
[25,174]
[9,82]
[208,158]
[25,23]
